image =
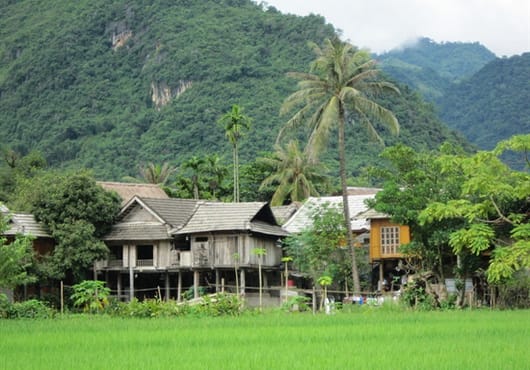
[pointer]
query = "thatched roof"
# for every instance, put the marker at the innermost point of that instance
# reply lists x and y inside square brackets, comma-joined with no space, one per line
[127,191]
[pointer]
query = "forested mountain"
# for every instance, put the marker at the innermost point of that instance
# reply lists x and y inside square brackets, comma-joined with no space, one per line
[493,104]
[432,67]
[483,97]
[110,84]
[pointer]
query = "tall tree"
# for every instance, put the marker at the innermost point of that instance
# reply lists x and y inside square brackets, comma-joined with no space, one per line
[295,175]
[196,165]
[493,208]
[77,212]
[234,122]
[216,174]
[338,89]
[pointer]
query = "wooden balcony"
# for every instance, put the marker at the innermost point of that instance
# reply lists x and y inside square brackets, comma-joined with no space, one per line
[180,259]
[115,263]
[145,263]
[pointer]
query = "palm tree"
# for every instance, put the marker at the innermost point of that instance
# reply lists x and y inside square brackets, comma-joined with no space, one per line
[196,165]
[260,252]
[295,174]
[324,282]
[234,121]
[156,173]
[216,171]
[338,90]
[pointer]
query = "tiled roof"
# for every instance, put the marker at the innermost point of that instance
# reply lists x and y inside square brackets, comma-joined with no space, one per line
[284,213]
[356,190]
[301,220]
[25,224]
[137,231]
[172,214]
[175,212]
[371,214]
[251,216]
[127,191]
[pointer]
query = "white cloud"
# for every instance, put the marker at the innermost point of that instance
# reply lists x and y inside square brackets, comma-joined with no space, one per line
[503,26]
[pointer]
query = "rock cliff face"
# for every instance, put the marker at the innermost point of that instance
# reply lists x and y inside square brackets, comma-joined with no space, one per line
[119,39]
[162,94]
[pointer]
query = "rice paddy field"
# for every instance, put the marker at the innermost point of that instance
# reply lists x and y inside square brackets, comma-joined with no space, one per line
[361,339]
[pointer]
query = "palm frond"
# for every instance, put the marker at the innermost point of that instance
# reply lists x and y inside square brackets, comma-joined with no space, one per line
[376,111]
[322,123]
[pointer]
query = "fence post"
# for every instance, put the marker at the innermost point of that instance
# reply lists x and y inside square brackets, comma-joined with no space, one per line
[62,297]
[314,301]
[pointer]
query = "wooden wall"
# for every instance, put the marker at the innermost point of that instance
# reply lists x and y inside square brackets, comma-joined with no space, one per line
[375,238]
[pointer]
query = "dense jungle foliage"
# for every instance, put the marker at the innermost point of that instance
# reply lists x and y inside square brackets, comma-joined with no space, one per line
[113,85]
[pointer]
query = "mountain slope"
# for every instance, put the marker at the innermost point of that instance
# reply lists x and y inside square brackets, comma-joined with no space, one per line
[111,84]
[493,104]
[432,67]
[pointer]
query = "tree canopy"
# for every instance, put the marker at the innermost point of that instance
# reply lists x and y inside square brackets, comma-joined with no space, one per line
[77,212]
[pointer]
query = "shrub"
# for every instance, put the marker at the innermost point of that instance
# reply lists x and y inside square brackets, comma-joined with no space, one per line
[515,292]
[221,304]
[297,303]
[415,295]
[91,295]
[31,309]
[5,306]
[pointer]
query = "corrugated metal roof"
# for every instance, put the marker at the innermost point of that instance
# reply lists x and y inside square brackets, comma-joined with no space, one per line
[25,224]
[301,220]
[251,216]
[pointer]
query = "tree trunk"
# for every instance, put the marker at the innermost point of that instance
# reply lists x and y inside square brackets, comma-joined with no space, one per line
[260,287]
[344,186]
[236,174]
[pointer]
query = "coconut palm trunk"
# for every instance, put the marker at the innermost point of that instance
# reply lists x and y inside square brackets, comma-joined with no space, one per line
[345,203]
[338,90]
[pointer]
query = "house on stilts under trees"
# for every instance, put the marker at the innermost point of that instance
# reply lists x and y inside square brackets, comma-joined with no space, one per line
[173,248]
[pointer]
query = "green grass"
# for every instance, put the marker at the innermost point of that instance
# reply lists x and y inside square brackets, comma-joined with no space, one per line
[364,339]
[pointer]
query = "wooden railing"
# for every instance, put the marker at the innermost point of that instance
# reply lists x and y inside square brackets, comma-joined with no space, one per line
[144,263]
[115,263]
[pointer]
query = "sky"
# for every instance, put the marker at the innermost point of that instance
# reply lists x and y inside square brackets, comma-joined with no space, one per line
[503,26]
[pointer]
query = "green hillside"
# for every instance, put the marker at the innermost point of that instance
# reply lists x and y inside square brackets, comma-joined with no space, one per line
[493,104]
[111,84]
[432,67]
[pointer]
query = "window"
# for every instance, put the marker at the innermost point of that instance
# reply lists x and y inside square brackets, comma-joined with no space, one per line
[144,255]
[389,239]
[116,255]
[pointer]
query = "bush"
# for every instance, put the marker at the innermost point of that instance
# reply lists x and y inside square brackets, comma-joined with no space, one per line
[31,309]
[221,304]
[91,295]
[5,306]
[297,303]
[515,292]
[415,295]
